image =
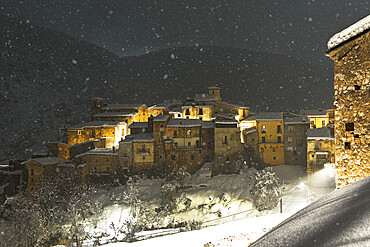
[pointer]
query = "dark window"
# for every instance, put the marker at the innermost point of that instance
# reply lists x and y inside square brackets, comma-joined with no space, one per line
[173,157]
[273,149]
[275,158]
[108,170]
[200,111]
[143,157]
[300,140]
[290,128]
[279,129]
[95,170]
[350,126]
[263,139]
[175,134]
[313,124]
[224,141]
[316,145]
[201,119]
[192,157]
[189,144]
[347,145]
[357,87]
[31,172]
[279,139]
[187,112]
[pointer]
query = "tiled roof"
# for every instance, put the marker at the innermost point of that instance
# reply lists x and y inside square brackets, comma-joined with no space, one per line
[161,118]
[269,116]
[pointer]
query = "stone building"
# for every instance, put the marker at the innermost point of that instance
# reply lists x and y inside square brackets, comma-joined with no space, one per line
[136,153]
[295,135]
[98,165]
[228,147]
[58,149]
[350,52]
[320,151]
[39,169]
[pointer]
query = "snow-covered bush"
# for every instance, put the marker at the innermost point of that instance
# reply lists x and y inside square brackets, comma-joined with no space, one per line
[138,214]
[266,191]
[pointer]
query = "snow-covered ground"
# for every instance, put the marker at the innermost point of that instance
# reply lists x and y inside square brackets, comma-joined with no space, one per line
[223,203]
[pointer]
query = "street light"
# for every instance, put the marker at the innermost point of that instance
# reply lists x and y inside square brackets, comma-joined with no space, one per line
[303,185]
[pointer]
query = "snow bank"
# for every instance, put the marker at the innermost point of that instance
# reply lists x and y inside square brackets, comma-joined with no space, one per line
[221,235]
[341,218]
[349,32]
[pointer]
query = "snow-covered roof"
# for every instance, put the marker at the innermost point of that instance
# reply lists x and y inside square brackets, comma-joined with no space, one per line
[178,122]
[161,118]
[141,137]
[94,124]
[99,151]
[341,218]
[314,112]
[350,32]
[46,160]
[138,125]
[296,120]
[208,124]
[115,114]
[269,116]
[122,106]
[319,133]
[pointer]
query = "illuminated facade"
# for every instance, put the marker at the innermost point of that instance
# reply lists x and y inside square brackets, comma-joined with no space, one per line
[350,52]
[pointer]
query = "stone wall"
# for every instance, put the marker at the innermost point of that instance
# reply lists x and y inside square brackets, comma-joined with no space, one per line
[352,109]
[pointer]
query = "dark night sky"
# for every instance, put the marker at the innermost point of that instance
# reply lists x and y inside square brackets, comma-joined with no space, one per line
[131,27]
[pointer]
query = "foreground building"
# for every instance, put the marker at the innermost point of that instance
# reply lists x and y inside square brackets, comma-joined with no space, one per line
[350,52]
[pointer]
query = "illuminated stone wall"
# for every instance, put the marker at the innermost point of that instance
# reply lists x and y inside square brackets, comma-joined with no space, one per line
[352,109]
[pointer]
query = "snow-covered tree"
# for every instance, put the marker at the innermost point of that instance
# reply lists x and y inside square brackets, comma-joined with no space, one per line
[138,215]
[266,191]
[168,199]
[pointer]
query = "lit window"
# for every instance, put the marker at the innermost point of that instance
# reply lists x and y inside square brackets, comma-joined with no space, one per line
[263,129]
[290,140]
[323,123]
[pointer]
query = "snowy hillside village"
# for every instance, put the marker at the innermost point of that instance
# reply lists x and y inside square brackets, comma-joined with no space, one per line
[141,174]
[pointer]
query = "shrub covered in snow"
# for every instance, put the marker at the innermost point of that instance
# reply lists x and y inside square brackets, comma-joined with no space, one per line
[266,191]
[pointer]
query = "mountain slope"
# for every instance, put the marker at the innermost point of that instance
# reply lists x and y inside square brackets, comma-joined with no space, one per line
[47,79]
[262,81]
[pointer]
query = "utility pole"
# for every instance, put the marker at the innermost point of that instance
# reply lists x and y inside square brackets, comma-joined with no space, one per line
[281,205]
